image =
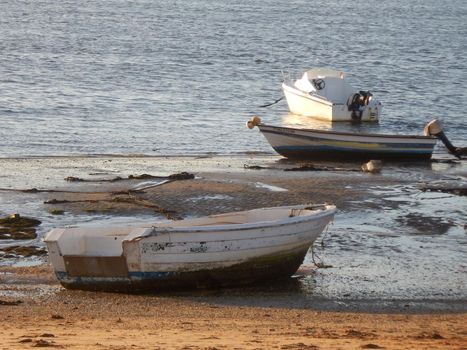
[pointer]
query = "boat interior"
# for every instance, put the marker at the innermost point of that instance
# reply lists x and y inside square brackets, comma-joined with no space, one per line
[108,241]
[245,217]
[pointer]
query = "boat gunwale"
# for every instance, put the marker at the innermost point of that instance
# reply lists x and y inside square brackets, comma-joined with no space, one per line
[329,210]
[312,96]
[318,212]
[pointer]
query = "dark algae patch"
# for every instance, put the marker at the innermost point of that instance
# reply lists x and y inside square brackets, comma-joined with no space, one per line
[178,176]
[459,190]
[17,233]
[55,211]
[18,227]
[10,303]
[16,220]
[27,251]
[425,224]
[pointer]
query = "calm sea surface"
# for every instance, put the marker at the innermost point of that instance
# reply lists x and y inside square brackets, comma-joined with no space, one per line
[183,77]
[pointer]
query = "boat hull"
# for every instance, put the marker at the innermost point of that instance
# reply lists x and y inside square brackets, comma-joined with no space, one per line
[314,106]
[326,145]
[168,258]
[256,270]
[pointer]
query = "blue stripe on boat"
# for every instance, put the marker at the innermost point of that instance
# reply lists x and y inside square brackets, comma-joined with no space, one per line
[154,275]
[424,150]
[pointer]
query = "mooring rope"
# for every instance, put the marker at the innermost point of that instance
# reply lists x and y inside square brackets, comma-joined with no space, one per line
[272,103]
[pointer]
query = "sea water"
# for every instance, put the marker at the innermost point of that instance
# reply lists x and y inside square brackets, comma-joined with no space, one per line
[183,77]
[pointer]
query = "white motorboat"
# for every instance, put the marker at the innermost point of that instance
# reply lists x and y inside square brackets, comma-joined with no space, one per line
[219,250]
[325,94]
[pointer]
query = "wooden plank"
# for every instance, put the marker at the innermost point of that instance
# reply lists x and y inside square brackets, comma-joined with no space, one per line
[96,266]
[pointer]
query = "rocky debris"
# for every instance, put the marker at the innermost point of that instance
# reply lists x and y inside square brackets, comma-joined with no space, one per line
[56,201]
[178,176]
[307,167]
[181,176]
[10,303]
[373,166]
[74,179]
[25,340]
[458,190]
[17,233]
[24,251]
[31,190]
[254,167]
[41,343]
[16,226]
[427,335]
[79,179]
[312,167]
[16,220]
[56,211]
[142,177]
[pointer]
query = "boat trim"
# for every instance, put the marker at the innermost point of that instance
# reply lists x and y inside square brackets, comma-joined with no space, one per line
[282,130]
[314,97]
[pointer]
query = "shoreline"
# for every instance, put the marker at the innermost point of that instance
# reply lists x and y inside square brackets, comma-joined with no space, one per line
[146,155]
[26,284]
[378,292]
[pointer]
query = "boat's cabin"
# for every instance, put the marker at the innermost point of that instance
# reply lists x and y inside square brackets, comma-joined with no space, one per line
[327,83]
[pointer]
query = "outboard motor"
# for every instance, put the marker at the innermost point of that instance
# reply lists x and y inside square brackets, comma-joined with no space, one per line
[433,128]
[356,104]
[353,104]
[366,97]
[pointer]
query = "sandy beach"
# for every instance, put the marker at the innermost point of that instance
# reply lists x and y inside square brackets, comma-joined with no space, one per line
[345,306]
[85,320]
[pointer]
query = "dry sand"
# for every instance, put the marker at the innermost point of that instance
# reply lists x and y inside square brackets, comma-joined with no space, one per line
[55,317]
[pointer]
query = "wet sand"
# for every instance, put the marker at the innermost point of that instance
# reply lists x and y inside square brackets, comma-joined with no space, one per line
[379,292]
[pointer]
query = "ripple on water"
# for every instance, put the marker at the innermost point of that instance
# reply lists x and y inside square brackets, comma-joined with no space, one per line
[100,84]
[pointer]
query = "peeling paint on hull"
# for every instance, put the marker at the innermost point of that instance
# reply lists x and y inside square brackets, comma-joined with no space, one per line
[253,271]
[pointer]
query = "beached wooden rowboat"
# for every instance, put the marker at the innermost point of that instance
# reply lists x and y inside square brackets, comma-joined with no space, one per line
[219,250]
[332,145]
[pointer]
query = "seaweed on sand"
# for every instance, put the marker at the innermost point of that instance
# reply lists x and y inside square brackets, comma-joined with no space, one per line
[18,227]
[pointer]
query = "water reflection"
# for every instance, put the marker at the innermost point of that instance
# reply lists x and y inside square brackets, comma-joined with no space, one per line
[302,122]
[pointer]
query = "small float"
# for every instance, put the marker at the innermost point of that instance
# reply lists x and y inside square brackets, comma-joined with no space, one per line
[315,144]
[220,250]
[325,94]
